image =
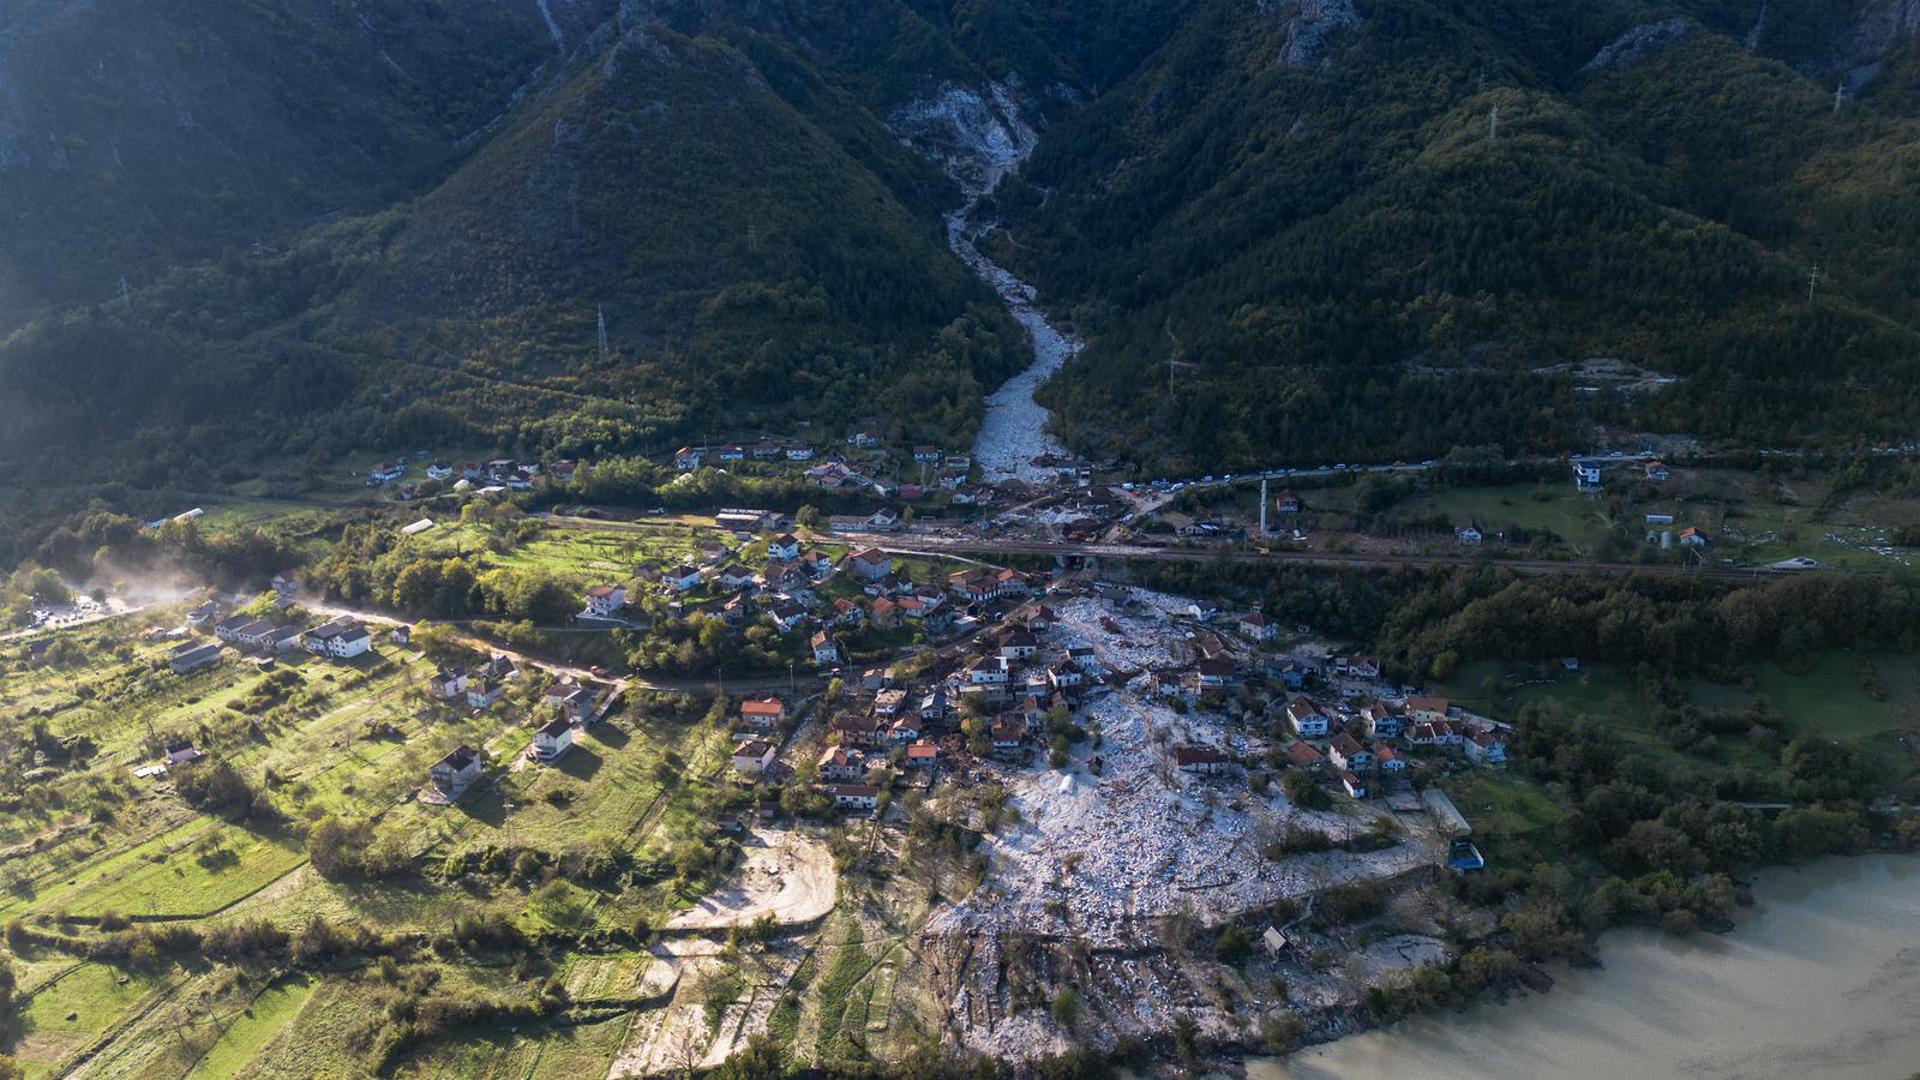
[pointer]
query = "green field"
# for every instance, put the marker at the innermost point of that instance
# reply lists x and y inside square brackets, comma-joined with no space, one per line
[1829,699]
[254,1028]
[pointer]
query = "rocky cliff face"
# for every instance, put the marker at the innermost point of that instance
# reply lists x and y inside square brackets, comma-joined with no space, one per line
[1310,26]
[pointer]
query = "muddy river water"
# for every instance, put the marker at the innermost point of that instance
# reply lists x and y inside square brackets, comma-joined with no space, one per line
[1820,979]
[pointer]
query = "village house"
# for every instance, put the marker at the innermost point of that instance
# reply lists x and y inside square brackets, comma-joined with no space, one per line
[1485,747]
[752,757]
[183,753]
[1257,627]
[1042,619]
[799,452]
[1586,477]
[1291,670]
[869,564]
[1008,733]
[1444,734]
[842,763]
[1017,643]
[784,548]
[343,638]
[763,714]
[1288,502]
[1427,708]
[1353,785]
[853,796]
[825,649]
[484,694]
[986,671]
[974,586]
[847,614]
[1469,534]
[1065,675]
[889,703]
[199,617]
[884,614]
[788,617]
[737,520]
[1389,760]
[228,628]
[1383,721]
[904,730]
[385,473]
[1200,759]
[190,657]
[922,755]
[605,601]
[1307,718]
[448,683]
[926,454]
[1302,755]
[258,634]
[451,775]
[1346,753]
[933,705]
[1694,538]
[552,740]
[1358,666]
[1657,471]
[854,729]
[734,577]
[682,578]
[1214,673]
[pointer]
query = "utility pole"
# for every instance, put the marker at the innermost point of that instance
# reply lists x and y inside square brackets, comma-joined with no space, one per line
[1813,282]
[126,294]
[1839,95]
[602,311]
[1493,123]
[753,238]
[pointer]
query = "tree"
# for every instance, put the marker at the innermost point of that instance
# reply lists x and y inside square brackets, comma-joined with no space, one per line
[1301,790]
[1065,1007]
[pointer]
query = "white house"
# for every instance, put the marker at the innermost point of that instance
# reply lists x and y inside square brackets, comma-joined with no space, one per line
[784,548]
[1485,748]
[752,757]
[762,713]
[482,694]
[825,649]
[553,740]
[682,578]
[854,796]
[1257,627]
[1470,534]
[452,774]
[604,600]
[1307,718]
[342,638]
[448,683]
[842,763]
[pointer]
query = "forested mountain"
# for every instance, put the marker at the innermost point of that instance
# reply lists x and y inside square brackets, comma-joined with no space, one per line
[1384,227]
[1367,228]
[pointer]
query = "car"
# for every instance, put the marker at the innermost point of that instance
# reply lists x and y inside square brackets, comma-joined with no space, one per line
[1207,479]
[1341,467]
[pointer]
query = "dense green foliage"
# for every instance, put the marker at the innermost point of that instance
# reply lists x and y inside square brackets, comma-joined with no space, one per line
[1355,266]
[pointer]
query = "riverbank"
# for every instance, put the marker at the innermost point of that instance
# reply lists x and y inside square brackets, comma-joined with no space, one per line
[979,139]
[1820,978]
